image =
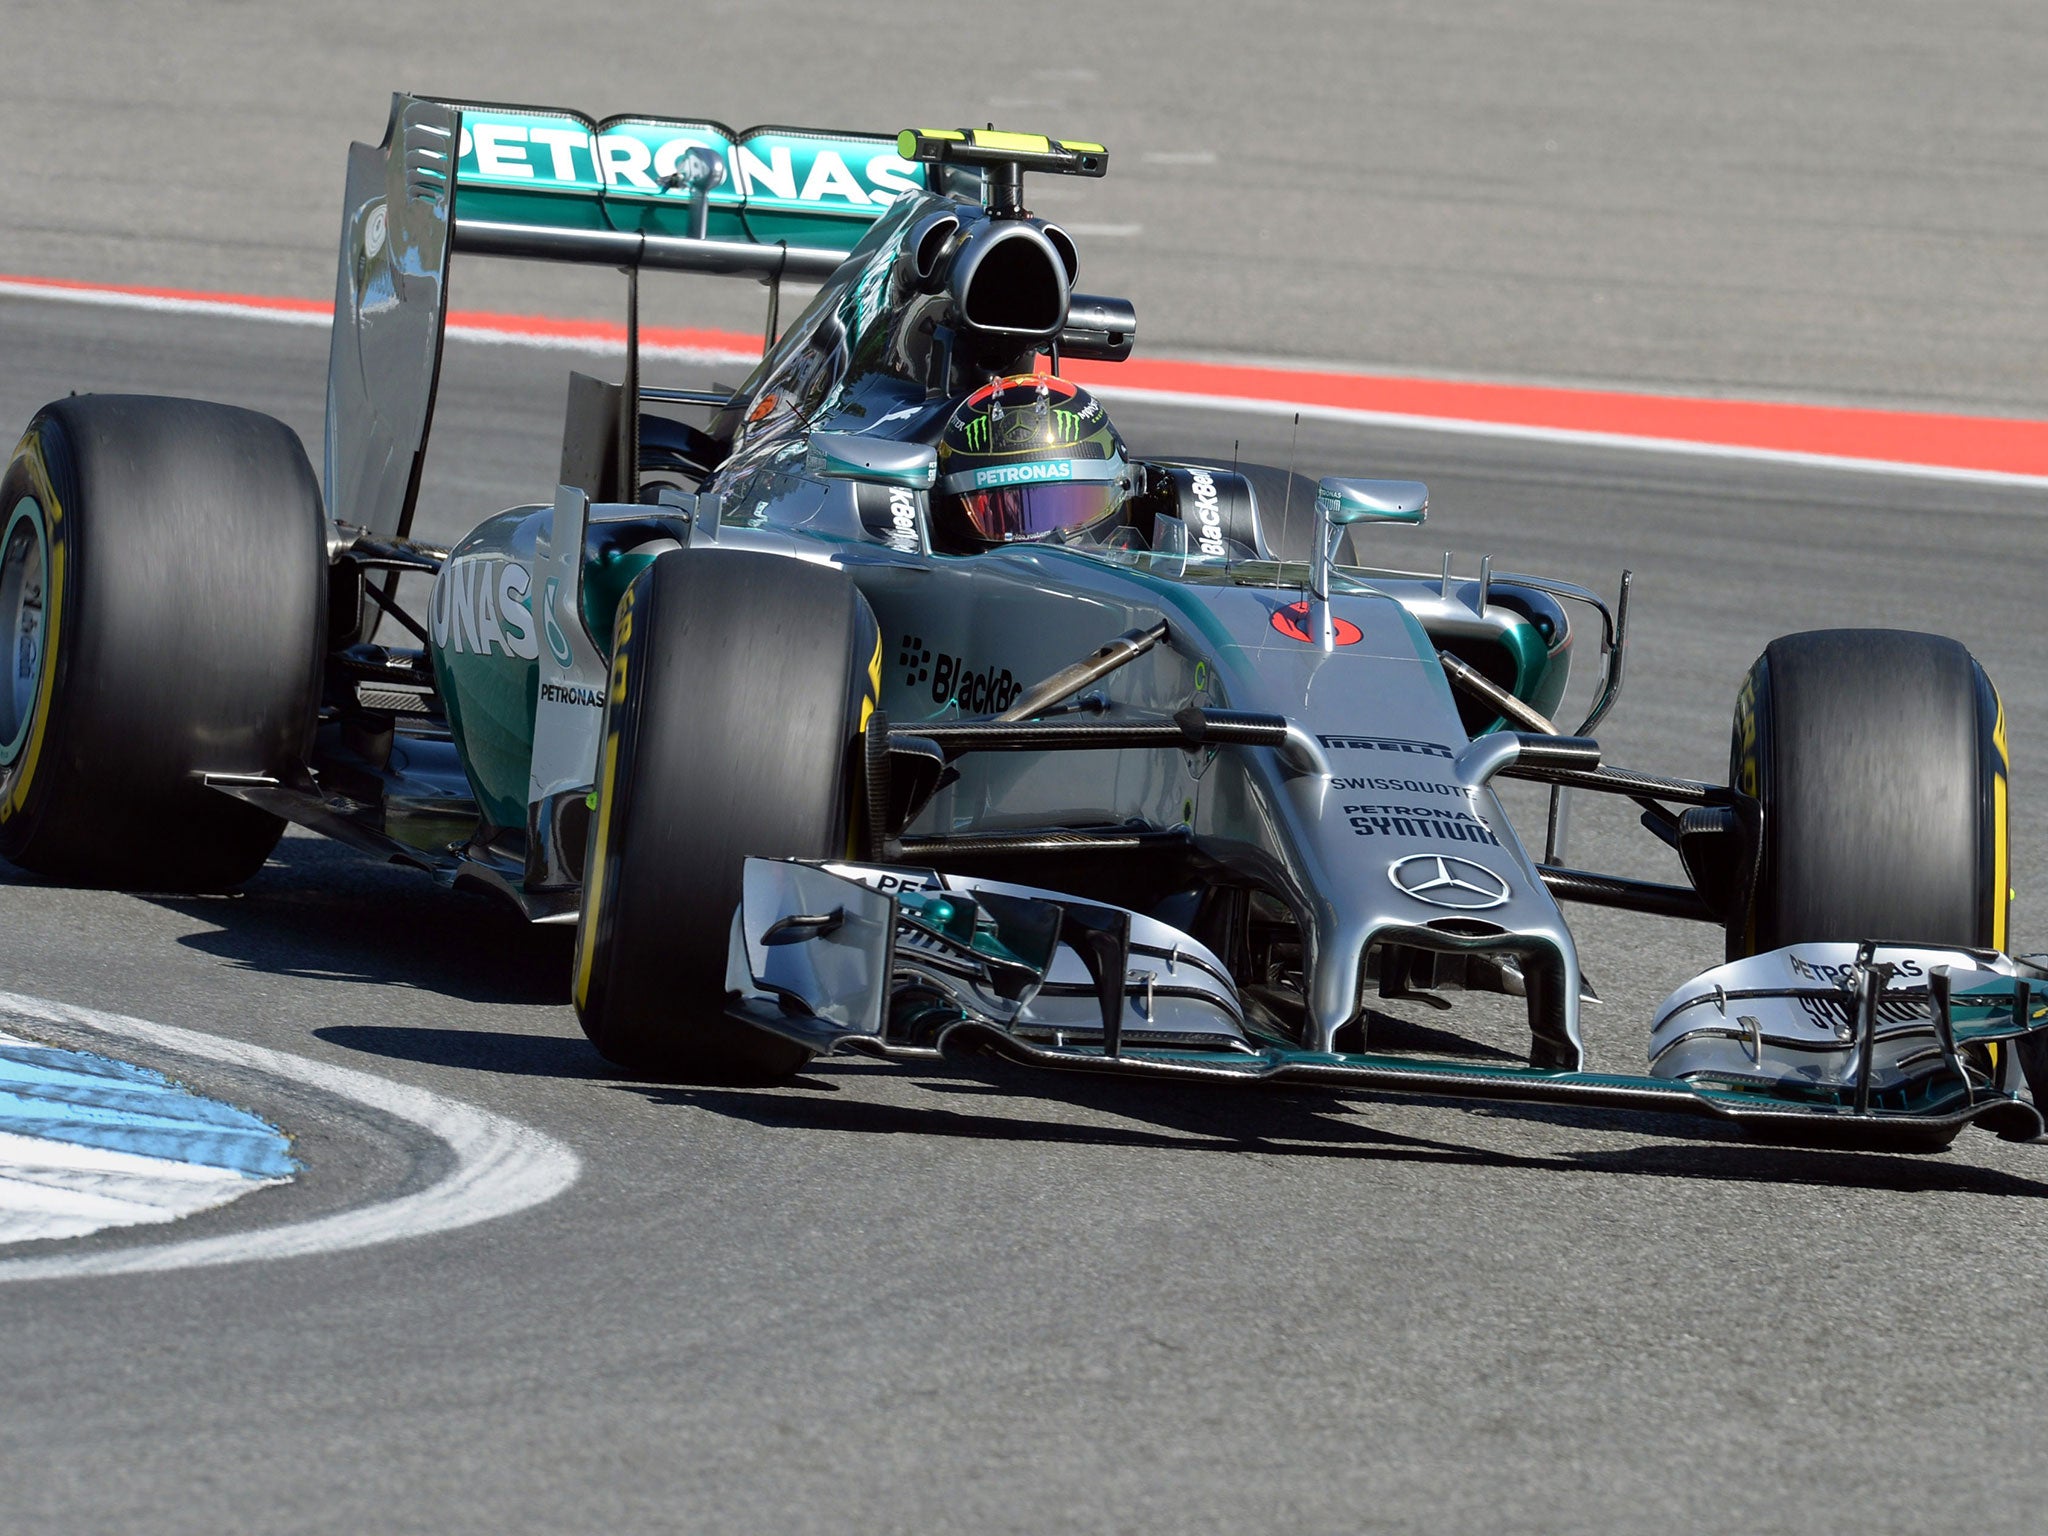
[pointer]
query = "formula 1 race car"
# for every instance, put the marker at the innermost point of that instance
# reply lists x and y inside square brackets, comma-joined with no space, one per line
[893,707]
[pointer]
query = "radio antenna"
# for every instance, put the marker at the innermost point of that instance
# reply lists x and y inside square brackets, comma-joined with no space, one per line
[1287,500]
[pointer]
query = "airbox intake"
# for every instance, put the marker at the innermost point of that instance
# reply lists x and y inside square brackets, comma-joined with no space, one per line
[1009,286]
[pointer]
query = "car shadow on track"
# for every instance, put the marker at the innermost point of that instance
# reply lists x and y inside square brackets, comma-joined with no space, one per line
[1284,1123]
[477,1050]
[509,1055]
[322,912]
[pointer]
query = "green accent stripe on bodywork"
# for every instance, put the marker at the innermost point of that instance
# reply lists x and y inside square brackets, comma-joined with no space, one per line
[1933,1098]
[1532,663]
[606,576]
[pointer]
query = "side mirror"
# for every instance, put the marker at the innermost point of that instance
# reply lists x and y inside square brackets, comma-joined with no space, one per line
[1343,501]
[873,460]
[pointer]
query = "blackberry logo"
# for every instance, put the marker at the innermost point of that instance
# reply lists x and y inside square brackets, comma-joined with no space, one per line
[914,659]
[1208,513]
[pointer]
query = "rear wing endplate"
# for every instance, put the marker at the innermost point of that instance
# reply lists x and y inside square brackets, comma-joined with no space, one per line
[384,359]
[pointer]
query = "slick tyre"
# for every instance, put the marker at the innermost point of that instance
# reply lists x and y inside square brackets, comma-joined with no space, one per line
[740,686]
[163,583]
[1878,758]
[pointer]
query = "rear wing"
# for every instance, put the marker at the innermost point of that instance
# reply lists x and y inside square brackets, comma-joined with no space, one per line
[672,177]
[549,185]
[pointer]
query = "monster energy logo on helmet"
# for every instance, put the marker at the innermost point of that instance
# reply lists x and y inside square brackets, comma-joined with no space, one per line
[1028,416]
[1024,429]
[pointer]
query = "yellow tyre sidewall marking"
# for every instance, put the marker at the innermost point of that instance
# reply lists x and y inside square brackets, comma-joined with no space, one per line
[870,698]
[54,543]
[595,867]
[2001,856]
[1748,780]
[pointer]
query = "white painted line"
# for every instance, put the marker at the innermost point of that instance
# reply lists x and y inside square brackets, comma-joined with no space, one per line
[487,335]
[87,1142]
[600,345]
[1104,231]
[501,1167]
[59,1189]
[1184,400]
[1565,435]
[165,304]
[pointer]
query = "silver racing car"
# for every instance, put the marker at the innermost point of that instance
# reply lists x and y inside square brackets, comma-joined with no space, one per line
[889,704]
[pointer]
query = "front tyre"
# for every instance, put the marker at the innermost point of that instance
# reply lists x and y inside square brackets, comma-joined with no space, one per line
[1879,760]
[740,686]
[163,588]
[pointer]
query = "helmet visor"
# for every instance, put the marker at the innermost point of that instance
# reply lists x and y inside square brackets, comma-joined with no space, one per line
[1011,512]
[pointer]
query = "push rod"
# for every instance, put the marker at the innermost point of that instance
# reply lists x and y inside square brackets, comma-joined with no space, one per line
[1068,681]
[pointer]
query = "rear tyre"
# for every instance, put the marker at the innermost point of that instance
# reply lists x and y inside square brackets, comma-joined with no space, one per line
[1878,757]
[740,686]
[163,587]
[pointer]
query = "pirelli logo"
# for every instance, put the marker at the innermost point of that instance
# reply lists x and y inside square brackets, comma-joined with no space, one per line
[1386,744]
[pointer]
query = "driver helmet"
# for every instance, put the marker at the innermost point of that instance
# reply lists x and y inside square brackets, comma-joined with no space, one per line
[1029,457]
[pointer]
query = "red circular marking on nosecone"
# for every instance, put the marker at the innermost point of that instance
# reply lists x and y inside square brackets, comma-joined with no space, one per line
[1292,621]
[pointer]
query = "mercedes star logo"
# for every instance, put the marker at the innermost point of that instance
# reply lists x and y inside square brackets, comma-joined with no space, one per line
[1442,882]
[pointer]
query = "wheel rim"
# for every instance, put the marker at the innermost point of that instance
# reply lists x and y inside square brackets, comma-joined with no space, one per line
[24,571]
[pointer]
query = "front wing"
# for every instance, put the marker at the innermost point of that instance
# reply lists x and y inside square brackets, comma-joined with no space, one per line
[1870,1045]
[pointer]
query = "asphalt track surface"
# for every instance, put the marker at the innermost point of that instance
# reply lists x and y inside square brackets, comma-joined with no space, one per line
[913,1301]
[1839,199]
[918,1301]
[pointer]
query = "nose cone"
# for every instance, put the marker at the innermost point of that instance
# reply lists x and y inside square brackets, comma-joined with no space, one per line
[1392,847]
